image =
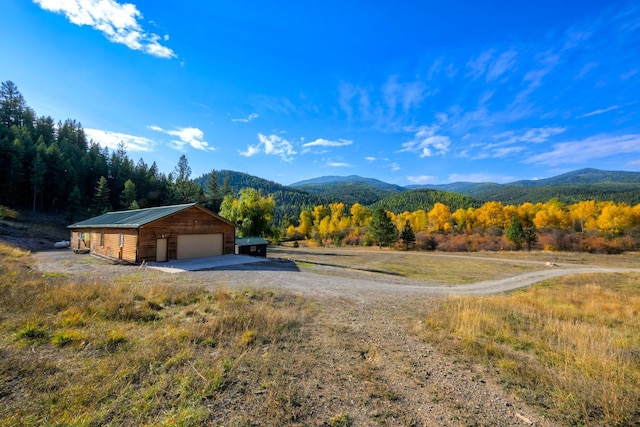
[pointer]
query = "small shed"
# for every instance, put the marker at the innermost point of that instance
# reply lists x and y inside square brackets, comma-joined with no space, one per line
[254,246]
[155,234]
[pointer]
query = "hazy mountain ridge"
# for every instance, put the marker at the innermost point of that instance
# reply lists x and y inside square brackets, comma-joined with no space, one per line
[583,184]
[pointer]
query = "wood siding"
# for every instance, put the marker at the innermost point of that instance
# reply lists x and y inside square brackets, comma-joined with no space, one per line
[139,244]
[193,220]
[119,243]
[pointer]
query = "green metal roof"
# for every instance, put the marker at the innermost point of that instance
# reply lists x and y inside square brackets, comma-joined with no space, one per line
[250,241]
[130,219]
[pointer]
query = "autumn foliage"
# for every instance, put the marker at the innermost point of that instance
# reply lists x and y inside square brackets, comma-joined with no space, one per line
[589,226]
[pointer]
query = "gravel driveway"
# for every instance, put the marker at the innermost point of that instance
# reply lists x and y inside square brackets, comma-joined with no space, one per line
[317,280]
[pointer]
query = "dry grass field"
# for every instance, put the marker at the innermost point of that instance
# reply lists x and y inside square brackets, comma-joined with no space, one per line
[131,346]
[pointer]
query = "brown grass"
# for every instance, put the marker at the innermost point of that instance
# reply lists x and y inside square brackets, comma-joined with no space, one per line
[125,352]
[570,346]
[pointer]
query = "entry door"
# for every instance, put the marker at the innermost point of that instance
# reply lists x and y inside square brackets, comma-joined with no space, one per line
[161,250]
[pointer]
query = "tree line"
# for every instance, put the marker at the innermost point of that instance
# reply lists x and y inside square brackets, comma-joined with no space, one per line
[51,166]
[520,225]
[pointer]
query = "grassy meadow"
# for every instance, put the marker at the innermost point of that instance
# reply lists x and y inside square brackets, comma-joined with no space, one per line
[139,350]
[570,346]
[127,352]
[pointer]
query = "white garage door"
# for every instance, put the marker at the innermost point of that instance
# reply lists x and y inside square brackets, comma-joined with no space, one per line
[199,245]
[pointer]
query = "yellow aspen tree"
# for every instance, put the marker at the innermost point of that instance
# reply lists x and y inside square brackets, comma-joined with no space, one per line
[402,218]
[490,215]
[358,215]
[292,231]
[337,210]
[419,220]
[306,223]
[324,228]
[584,215]
[635,215]
[509,212]
[459,218]
[439,218]
[318,213]
[615,218]
[527,210]
[552,215]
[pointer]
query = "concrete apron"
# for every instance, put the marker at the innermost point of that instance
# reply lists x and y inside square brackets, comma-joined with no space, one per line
[205,263]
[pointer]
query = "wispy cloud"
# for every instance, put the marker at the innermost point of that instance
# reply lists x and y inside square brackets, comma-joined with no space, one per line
[118,22]
[421,179]
[534,135]
[597,147]
[334,164]
[112,139]
[271,145]
[426,143]
[321,142]
[406,95]
[479,177]
[492,69]
[598,112]
[193,137]
[249,118]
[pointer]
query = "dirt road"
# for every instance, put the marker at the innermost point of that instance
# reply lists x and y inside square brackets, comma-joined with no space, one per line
[367,363]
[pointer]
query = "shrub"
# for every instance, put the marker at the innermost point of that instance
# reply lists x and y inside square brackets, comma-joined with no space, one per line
[6,212]
[426,241]
[32,332]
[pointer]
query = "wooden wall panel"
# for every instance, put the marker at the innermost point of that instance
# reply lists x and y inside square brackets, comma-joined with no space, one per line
[140,244]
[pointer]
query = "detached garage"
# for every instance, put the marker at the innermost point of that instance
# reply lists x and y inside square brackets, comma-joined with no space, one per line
[156,234]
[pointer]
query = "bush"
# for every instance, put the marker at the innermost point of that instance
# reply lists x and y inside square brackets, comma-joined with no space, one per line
[426,241]
[6,212]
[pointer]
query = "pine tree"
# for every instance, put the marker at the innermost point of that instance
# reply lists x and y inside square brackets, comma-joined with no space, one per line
[382,229]
[212,194]
[101,201]
[515,233]
[128,195]
[407,235]
[530,233]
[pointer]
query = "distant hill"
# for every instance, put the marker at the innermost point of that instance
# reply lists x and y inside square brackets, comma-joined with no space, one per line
[328,181]
[572,187]
[289,201]
[354,190]
[412,200]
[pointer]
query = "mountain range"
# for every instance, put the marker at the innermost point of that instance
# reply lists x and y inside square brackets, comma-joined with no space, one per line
[572,187]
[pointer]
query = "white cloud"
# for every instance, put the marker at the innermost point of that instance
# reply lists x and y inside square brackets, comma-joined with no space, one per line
[320,142]
[272,145]
[535,135]
[596,147]
[479,177]
[395,167]
[370,159]
[193,137]
[339,165]
[426,143]
[504,63]
[249,118]
[118,22]
[408,95]
[112,139]
[421,179]
[598,112]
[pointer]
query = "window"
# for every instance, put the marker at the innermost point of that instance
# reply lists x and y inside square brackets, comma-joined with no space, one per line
[252,248]
[121,240]
[102,239]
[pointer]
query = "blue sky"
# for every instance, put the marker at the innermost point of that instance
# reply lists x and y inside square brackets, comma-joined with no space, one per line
[409,93]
